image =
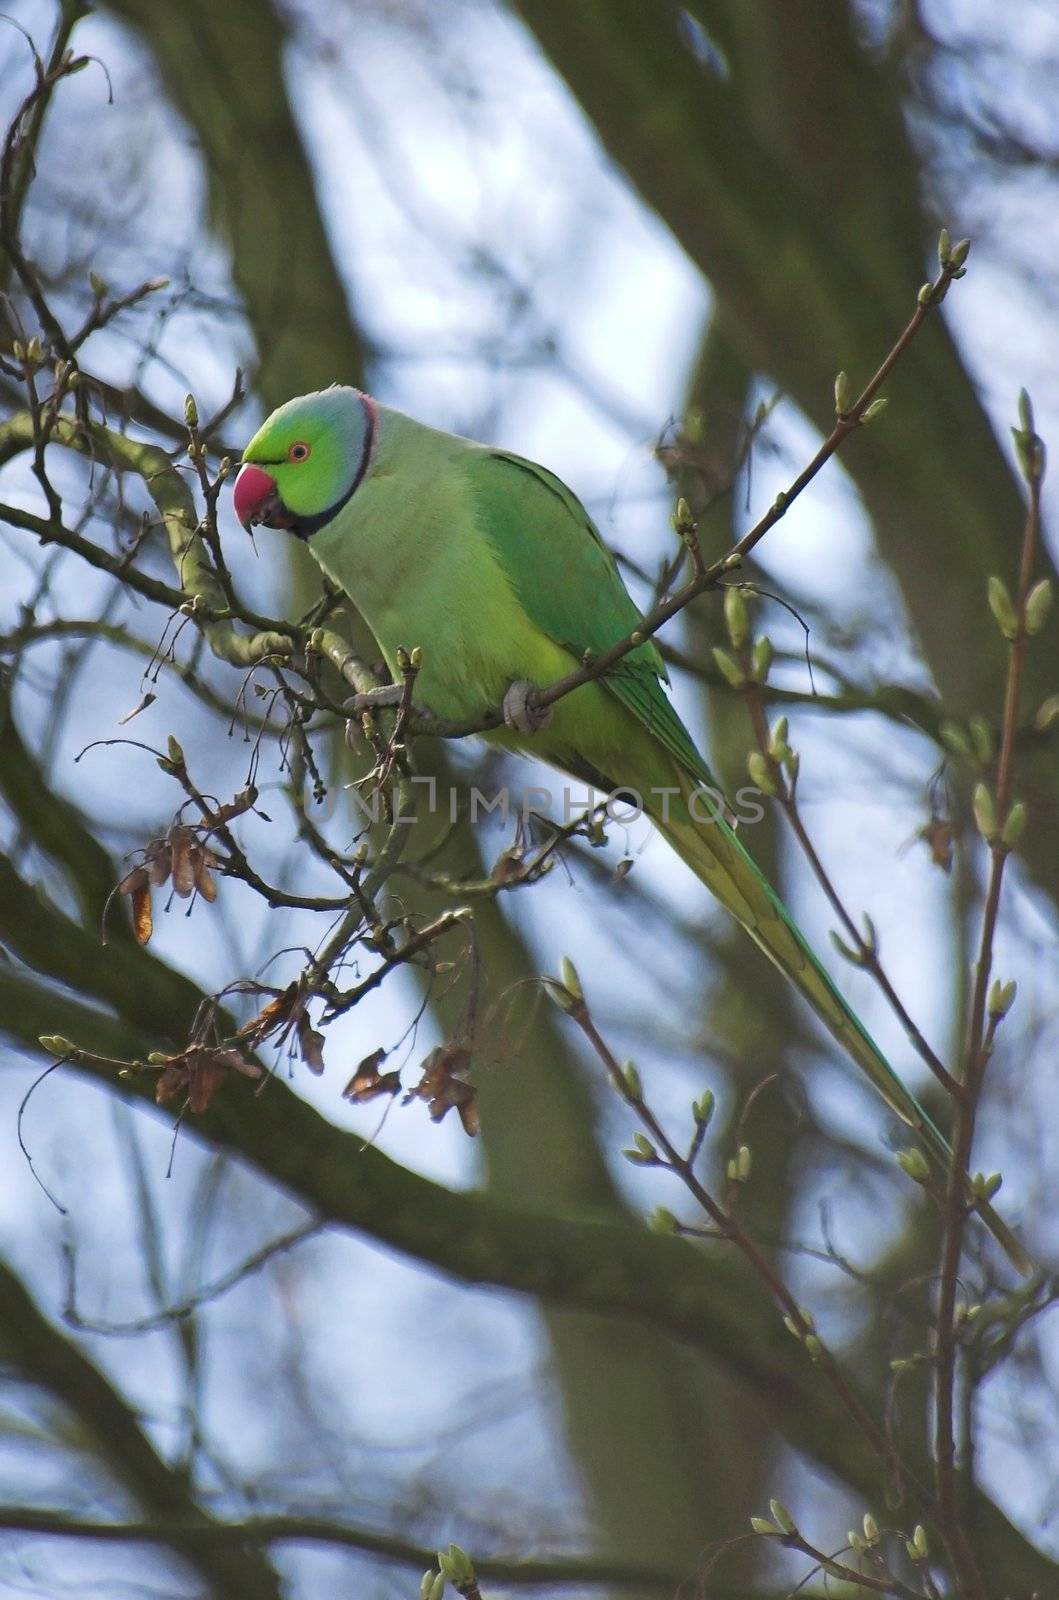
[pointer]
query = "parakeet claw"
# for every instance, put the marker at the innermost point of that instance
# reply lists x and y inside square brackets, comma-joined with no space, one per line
[387,694]
[520,713]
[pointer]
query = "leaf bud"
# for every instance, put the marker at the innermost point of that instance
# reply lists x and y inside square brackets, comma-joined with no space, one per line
[782,1516]
[761,658]
[1047,714]
[1002,998]
[843,394]
[737,616]
[702,1110]
[662,1221]
[633,1082]
[571,981]
[456,1566]
[871,1529]
[944,248]
[1014,824]
[1038,605]
[763,1525]
[981,738]
[984,811]
[876,409]
[57,1044]
[1002,607]
[729,668]
[955,739]
[191,411]
[914,1163]
[761,773]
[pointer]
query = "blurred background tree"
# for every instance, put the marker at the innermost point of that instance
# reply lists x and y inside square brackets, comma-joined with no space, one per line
[306,1343]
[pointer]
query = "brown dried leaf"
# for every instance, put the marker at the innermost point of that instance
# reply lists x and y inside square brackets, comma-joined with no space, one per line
[142,915]
[310,1044]
[940,837]
[182,844]
[274,1015]
[199,1073]
[443,1090]
[134,881]
[367,1083]
[159,861]
[206,883]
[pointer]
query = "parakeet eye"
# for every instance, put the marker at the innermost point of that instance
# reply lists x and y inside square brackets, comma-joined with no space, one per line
[300,451]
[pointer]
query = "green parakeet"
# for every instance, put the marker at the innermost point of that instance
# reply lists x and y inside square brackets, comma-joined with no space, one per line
[492,566]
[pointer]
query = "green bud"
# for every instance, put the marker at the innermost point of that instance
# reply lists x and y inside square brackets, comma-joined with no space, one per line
[761,658]
[437,1587]
[426,1583]
[1047,714]
[560,994]
[792,761]
[743,1163]
[57,1044]
[97,285]
[778,738]
[1000,604]
[702,1110]
[1002,998]
[731,1171]
[663,1221]
[814,1346]
[876,409]
[914,1162]
[415,658]
[793,1328]
[807,1317]
[1038,605]
[919,1542]
[682,518]
[1026,418]
[639,1158]
[984,1186]
[925,296]
[191,411]
[843,395]
[782,1516]
[871,1529]
[761,773]
[636,637]
[644,1145]
[1014,824]
[944,248]
[856,1543]
[763,1525]
[960,251]
[176,754]
[729,668]
[694,425]
[632,1080]
[158,1058]
[571,981]
[456,1566]
[737,617]
[856,958]
[984,811]
[982,738]
[34,350]
[955,739]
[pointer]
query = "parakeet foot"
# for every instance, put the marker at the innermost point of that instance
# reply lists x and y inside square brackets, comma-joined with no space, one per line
[386,695]
[520,713]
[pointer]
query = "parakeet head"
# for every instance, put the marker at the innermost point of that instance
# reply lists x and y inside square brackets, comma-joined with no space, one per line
[303,464]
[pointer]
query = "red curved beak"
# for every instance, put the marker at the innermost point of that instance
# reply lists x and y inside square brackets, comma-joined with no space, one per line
[255,496]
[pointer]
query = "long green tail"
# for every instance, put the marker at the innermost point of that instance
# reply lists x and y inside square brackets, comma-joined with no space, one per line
[716,856]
